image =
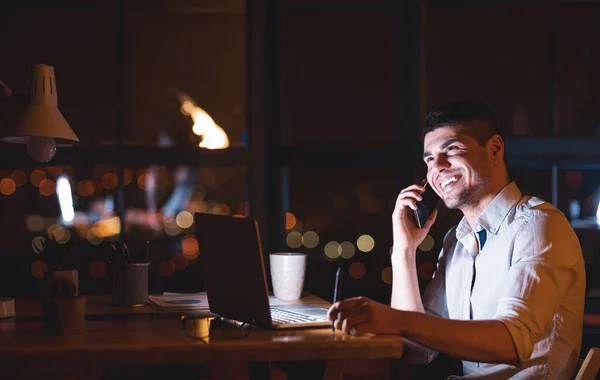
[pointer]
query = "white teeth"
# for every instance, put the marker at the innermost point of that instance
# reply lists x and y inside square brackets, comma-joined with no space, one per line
[449,180]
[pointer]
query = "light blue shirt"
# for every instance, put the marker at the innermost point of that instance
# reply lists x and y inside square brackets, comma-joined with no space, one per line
[529,275]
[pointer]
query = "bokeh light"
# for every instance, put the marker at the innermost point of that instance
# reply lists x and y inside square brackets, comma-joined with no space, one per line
[365,243]
[35,223]
[294,239]
[189,247]
[357,270]
[171,228]
[166,268]
[36,177]
[220,209]
[55,170]
[61,234]
[47,187]
[7,186]
[310,239]
[37,244]
[80,218]
[85,188]
[146,181]
[386,275]
[19,177]
[226,210]
[110,181]
[574,179]
[93,238]
[427,244]
[332,250]
[38,268]
[51,228]
[347,249]
[184,219]
[290,220]
[98,269]
[180,261]
[110,226]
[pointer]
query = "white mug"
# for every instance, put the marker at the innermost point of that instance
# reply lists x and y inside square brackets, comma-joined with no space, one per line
[287,274]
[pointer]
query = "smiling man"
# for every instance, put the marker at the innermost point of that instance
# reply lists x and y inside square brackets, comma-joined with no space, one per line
[508,294]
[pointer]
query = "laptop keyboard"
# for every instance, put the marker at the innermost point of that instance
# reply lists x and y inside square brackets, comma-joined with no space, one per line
[280,316]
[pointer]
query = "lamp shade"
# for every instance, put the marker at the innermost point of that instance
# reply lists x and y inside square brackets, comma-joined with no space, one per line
[41,117]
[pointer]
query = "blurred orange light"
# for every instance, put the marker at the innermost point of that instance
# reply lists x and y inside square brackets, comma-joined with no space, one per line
[85,188]
[36,177]
[225,210]
[146,181]
[55,170]
[166,268]
[19,177]
[110,181]
[47,187]
[357,270]
[7,186]
[189,246]
[38,268]
[180,261]
[98,269]
[290,221]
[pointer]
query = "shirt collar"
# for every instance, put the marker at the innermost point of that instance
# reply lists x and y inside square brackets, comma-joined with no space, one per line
[494,214]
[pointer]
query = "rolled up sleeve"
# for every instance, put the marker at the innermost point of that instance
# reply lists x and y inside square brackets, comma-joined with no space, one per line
[543,268]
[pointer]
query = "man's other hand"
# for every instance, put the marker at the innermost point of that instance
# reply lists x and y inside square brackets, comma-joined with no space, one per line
[361,315]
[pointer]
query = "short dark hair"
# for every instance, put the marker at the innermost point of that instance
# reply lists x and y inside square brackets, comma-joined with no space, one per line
[463,112]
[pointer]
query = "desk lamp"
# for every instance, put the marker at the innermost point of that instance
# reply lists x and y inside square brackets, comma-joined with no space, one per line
[38,122]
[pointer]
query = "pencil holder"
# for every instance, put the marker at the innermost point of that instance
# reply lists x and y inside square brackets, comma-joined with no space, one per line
[130,284]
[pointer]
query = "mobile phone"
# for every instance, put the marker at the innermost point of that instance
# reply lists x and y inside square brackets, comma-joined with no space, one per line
[426,206]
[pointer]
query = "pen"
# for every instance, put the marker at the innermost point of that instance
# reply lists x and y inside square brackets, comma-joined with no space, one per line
[337,290]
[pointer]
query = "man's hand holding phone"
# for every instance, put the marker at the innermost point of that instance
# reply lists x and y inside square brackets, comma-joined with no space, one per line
[411,205]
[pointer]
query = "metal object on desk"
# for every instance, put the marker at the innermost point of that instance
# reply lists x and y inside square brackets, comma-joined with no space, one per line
[130,284]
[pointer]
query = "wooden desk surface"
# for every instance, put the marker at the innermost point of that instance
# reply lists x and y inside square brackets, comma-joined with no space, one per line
[119,336]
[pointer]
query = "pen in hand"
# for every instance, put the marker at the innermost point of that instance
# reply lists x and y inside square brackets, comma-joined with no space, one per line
[337,290]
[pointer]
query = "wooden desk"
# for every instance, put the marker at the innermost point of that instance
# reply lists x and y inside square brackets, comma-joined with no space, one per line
[142,337]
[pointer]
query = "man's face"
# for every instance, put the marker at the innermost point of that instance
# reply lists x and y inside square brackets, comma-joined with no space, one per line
[458,168]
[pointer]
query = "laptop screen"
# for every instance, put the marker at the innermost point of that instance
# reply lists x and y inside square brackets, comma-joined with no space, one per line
[232,260]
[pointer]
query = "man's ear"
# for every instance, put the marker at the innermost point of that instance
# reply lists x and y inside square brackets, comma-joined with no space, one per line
[496,147]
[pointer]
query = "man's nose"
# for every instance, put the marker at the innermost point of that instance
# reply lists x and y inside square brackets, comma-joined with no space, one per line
[440,164]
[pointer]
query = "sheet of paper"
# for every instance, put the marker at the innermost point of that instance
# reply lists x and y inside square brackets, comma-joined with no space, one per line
[179,301]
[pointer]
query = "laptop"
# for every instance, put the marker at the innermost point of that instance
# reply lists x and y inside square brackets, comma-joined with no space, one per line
[236,282]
